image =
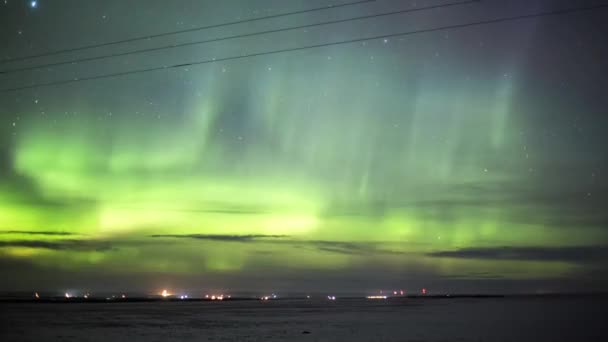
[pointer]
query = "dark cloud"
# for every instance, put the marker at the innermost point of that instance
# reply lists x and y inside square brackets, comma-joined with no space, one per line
[338,247]
[33,232]
[575,254]
[60,245]
[212,208]
[351,248]
[473,275]
[221,237]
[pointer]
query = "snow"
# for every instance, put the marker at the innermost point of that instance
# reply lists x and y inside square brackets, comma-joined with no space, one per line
[487,319]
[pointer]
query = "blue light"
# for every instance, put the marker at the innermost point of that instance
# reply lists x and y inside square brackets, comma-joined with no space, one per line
[34,4]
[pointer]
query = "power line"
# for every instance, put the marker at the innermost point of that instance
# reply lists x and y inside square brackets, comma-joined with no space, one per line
[307,47]
[246,35]
[194,29]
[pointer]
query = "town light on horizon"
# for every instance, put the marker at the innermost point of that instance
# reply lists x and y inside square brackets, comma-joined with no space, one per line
[376,297]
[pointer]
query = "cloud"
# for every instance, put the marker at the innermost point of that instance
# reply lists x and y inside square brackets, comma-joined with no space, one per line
[61,245]
[339,247]
[473,275]
[210,208]
[33,232]
[567,206]
[557,207]
[351,248]
[576,254]
[221,237]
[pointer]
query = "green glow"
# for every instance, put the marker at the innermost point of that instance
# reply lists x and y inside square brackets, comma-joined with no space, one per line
[354,171]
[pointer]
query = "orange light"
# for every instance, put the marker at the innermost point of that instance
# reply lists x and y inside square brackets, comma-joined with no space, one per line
[376,297]
[165,293]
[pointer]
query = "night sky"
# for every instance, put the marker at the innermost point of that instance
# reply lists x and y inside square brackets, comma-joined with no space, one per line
[461,160]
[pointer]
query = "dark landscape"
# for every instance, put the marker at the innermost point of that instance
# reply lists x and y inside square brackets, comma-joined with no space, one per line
[517,318]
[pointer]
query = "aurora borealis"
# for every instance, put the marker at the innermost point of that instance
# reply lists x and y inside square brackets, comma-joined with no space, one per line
[468,160]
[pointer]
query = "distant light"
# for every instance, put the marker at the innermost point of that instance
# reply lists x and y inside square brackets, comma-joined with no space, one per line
[67,295]
[401,292]
[395,293]
[377,297]
[331,297]
[423,291]
[123,296]
[181,297]
[34,4]
[213,297]
[164,293]
[86,296]
[36,295]
[206,296]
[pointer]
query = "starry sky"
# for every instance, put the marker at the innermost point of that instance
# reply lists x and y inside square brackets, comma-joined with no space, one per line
[462,160]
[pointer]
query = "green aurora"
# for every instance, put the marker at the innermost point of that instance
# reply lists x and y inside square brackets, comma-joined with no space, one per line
[423,165]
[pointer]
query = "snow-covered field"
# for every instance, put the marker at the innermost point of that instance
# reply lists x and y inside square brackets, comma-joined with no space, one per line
[489,319]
